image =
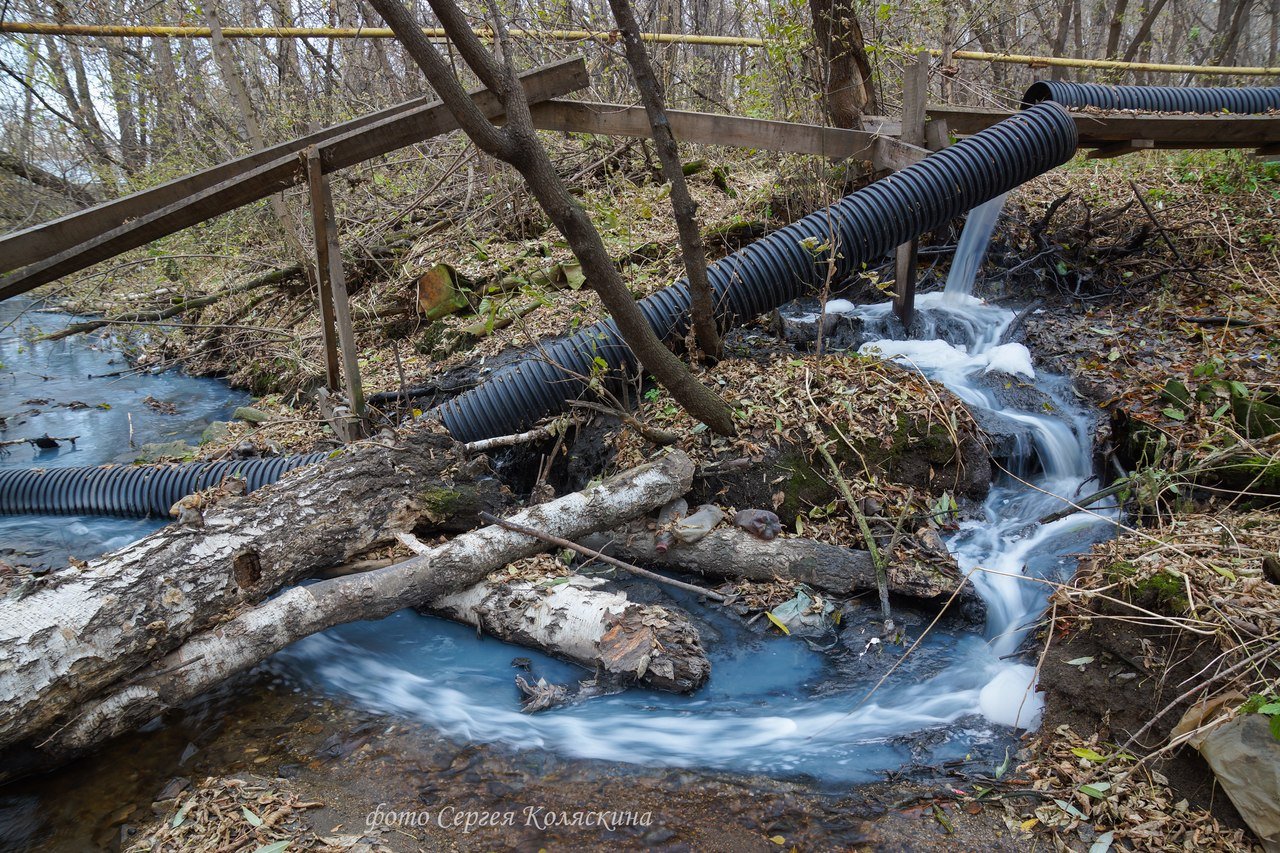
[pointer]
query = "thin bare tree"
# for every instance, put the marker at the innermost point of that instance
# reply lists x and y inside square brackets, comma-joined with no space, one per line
[517,144]
[685,209]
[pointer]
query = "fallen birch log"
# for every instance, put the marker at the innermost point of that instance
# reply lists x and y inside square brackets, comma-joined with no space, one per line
[209,658]
[655,646]
[81,630]
[728,552]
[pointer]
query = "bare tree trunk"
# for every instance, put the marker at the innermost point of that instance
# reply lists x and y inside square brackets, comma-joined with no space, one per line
[685,209]
[1115,27]
[1143,35]
[518,145]
[1059,45]
[83,116]
[1273,43]
[732,553]
[289,223]
[15,165]
[82,630]
[846,68]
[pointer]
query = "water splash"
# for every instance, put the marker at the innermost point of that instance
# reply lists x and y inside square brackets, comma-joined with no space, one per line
[974,239]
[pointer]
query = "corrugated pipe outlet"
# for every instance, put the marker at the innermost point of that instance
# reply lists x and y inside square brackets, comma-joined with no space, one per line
[1164,99]
[131,491]
[860,228]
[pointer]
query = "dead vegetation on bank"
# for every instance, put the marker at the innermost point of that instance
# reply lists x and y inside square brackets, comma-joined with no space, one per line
[1177,343]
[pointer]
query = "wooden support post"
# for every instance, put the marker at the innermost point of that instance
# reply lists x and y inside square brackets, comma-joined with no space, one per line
[915,92]
[334,306]
[937,134]
[904,296]
[328,323]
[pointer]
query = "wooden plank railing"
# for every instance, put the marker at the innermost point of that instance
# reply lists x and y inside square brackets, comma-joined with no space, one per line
[75,242]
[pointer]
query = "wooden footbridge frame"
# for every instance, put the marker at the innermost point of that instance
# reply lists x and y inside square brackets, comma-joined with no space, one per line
[46,252]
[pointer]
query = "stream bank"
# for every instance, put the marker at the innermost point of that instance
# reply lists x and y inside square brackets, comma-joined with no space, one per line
[693,823]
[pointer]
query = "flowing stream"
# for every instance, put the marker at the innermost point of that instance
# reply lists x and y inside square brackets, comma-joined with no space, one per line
[82,386]
[773,704]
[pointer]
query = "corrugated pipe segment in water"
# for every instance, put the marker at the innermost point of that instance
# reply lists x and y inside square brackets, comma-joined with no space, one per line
[1165,99]
[131,490]
[860,228]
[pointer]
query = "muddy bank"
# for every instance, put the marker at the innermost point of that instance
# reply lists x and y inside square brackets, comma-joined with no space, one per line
[356,763]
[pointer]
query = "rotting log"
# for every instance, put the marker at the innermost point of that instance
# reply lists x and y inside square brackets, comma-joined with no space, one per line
[40,738]
[728,552]
[600,629]
[80,631]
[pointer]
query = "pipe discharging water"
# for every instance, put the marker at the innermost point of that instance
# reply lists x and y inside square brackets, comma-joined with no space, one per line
[860,228]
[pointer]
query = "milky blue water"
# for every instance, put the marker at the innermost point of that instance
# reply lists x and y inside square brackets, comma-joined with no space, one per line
[62,388]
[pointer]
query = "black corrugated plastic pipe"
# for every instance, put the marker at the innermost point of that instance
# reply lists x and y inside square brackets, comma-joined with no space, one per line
[1164,99]
[860,228]
[131,491]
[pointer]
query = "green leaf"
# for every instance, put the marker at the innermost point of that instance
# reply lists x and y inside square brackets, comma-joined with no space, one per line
[274,847]
[554,582]
[1222,570]
[1103,842]
[1175,414]
[1070,809]
[250,816]
[1087,754]
[1098,790]
[777,622]
[1270,709]
[182,813]
[1275,727]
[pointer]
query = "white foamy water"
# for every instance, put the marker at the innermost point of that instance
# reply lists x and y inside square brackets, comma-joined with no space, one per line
[773,704]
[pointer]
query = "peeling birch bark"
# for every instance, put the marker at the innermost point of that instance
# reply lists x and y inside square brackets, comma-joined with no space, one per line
[210,657]
[80,631]
[653,645]
[728,552]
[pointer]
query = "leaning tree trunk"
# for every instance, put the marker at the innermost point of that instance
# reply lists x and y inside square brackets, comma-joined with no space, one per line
[81,630]
[212,656]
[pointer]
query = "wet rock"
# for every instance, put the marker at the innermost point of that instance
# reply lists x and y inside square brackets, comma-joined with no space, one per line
[215,432]
[248,414]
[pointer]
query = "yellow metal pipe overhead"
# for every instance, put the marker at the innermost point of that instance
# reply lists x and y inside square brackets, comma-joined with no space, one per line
[167,31]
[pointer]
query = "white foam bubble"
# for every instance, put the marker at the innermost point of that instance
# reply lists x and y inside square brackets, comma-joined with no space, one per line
[1010,699]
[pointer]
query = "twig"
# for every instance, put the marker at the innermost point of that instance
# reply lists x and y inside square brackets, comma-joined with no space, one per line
[536,434]
[1073,508]
[877,557]
[600,555]
[44,442]
[651,434]
[1168,241]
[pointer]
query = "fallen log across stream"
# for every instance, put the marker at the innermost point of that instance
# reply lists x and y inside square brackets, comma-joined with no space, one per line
[728,552]
[112,620]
